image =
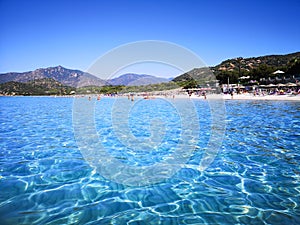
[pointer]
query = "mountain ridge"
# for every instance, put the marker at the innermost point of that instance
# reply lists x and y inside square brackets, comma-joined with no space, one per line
[255,67]
[77,78]
[68,77]
[133,79]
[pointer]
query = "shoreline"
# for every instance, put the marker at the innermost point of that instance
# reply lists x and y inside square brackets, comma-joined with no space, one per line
[265,97]
[237,97]
[194,97]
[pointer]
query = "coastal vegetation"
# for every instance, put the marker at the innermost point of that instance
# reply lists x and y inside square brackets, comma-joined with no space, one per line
[259,69]
[46,86]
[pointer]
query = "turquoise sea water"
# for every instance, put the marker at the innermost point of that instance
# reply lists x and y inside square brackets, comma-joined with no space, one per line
[254,179]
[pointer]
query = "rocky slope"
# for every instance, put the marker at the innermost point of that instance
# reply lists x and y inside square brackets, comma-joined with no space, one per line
[73,78]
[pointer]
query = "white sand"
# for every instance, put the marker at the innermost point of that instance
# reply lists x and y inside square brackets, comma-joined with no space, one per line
[228,97]
[239,97]
[266,97]
[252,97]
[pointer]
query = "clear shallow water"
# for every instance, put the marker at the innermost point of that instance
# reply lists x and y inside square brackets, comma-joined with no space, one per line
[255,178]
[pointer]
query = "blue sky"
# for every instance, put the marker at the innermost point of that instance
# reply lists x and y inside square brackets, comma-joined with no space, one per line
[74,34]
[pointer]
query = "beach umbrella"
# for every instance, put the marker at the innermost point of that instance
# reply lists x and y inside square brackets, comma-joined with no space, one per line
[278,72]
[244,77]
[271,85]
[291,84]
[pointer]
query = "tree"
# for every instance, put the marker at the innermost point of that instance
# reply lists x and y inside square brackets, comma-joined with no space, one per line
[263,71]
[224,75]
[294,69]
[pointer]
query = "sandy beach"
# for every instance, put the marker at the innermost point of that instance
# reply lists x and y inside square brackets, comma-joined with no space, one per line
[266,97]
[287,97]
[241,97]
[218,97]
[186,96]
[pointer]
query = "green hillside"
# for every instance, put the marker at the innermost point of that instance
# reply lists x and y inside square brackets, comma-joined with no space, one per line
[259,69]
[46,86]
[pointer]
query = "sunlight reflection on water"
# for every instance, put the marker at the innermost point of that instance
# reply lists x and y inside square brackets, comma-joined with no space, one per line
[254,179]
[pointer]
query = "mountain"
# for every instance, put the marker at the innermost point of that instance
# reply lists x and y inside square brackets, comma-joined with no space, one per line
[198,74]
[44,86]
[257,68]
[248,64]
[73,78]
[131,79]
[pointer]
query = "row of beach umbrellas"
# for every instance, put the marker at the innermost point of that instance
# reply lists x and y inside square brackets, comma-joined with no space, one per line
[281,85]
[273,85]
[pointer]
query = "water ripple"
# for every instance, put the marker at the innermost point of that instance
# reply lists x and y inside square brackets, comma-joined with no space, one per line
[254,179]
